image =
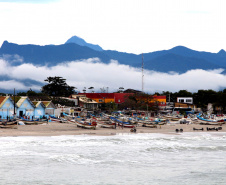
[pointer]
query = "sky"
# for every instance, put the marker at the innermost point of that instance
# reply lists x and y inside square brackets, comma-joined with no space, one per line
[133,26]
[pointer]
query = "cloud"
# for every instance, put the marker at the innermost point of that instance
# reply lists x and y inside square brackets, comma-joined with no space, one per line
[11,84]
[198,12]
[92,72]
[28,1]
[13,58]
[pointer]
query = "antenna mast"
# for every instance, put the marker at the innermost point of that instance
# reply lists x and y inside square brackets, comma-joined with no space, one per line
[142,67]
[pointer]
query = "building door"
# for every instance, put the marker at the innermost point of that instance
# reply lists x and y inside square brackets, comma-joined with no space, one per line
[21,113]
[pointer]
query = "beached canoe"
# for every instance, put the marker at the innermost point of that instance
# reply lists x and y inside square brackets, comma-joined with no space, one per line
[87,126]
[106,125]
[201,119]
[8,126]
[175,119]
[209,123]
[9,123]
[126,125]
[149,125]
[31,123]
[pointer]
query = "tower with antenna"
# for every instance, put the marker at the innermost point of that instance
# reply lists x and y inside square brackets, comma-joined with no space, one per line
[142,69]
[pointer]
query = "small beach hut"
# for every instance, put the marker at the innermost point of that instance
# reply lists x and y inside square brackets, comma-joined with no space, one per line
[25,107]
[39,109]
[49,108]
[6,107]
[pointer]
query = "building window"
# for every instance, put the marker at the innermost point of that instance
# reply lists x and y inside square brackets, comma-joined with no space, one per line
[118,100]
[100,100]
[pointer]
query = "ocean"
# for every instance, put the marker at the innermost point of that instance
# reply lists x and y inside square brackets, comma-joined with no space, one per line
[186,158]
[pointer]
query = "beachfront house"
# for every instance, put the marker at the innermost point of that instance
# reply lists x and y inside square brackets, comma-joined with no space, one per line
[188,100]
[25,107]
[49,108]
[6,107]
[39,109]
[83,101]
[100,98]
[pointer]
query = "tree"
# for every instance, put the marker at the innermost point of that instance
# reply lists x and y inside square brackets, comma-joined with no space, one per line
[57,86]
[139,101]
[130,102]
[30,93]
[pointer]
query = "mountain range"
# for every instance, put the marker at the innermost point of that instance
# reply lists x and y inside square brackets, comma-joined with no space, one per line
[178,59]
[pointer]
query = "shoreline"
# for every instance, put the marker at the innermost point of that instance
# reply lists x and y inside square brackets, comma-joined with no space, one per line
[58,129]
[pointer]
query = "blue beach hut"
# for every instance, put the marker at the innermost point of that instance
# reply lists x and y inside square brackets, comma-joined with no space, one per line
[39,109]
[6,107]
[25,107]
[50,108]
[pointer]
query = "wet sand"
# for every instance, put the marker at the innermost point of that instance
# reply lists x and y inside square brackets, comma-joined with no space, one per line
[56,129]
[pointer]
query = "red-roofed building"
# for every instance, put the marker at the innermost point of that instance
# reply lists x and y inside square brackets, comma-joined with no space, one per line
[107,97]
[120,97]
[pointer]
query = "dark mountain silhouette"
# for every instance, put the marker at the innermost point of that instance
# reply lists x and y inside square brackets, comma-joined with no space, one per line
[172,62]
[214,58]
[81,42]
[51,54]
[179,59]
[124,58]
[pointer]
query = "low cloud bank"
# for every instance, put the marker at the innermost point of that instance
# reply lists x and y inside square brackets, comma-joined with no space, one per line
[92,72]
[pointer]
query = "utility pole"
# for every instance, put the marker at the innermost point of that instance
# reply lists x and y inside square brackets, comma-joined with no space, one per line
[142,68]
[14,103]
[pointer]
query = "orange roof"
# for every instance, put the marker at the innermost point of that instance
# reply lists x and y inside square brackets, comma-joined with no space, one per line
[159,97]
[2,98]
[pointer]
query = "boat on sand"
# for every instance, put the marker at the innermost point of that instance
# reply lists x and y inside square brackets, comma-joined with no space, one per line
[85,125]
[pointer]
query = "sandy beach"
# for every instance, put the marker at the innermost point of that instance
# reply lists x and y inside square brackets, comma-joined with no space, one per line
[56,129]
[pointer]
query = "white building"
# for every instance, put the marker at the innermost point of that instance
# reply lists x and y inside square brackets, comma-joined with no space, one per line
[188,100]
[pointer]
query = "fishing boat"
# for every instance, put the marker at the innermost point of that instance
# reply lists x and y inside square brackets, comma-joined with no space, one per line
[31,123]
[8,126]
[175,119]
[149,125]
[126,125]
[122,123]
[204,121]
[198,129]
[88,123]
[9,123]
[23,119]
[209,123]
[85,125]
[160,120]
[106,125]
[172,122]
